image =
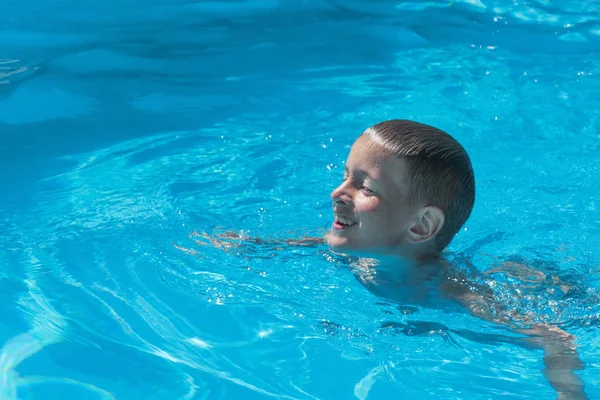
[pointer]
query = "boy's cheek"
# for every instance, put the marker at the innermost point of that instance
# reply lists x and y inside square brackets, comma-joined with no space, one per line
[369,205]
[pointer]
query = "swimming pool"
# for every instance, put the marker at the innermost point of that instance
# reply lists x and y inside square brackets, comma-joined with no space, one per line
[127,126]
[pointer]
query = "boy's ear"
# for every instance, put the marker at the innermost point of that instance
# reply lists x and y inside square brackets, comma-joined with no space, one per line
[427,223]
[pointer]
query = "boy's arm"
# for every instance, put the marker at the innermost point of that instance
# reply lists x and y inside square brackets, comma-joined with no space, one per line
[231,240]
[240,237]
[561,358]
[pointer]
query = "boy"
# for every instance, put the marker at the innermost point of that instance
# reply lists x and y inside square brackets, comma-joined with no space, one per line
[408,188]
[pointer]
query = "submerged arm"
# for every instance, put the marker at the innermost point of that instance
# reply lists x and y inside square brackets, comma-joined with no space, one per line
[233,240]
[561,358]
[240,238]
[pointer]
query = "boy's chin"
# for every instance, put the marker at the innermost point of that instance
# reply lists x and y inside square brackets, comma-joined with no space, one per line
[346,249]
[347,246]
[336,242]
[341,243]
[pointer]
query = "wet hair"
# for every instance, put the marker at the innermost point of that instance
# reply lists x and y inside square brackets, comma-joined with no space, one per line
[439,170]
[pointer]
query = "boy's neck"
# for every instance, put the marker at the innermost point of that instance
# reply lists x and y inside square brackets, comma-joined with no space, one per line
[394,268]
[415,255]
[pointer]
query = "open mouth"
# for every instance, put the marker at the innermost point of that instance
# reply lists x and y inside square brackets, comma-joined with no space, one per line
[337,224]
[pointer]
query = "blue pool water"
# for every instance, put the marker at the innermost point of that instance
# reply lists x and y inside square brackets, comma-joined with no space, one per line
[126,126]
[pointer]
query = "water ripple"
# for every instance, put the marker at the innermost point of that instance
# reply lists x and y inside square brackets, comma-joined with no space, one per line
[130,147]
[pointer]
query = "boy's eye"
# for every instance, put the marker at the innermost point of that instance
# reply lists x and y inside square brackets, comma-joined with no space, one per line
[366,189]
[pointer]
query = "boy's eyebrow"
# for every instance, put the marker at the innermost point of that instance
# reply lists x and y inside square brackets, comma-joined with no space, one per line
[346,171]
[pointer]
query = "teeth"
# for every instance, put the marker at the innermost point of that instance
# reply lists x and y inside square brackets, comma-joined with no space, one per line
[344,220]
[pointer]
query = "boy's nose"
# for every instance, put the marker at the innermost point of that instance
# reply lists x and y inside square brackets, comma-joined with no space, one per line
[341,194]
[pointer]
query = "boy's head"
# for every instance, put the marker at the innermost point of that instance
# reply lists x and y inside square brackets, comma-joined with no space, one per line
[408,188]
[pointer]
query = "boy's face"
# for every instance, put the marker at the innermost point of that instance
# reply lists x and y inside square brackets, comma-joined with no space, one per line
[371,207]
